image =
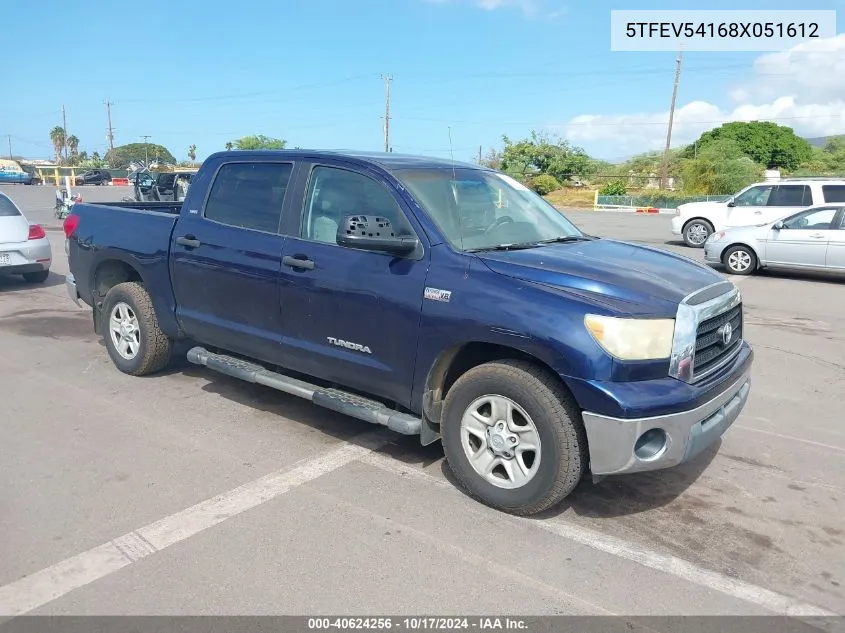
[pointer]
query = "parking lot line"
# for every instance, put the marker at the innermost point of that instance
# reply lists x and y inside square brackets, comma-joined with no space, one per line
[41,587]
[791,438]
[666,563]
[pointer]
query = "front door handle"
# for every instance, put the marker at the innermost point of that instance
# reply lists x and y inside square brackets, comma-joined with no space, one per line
[817,236]
[298,262]
[188,241]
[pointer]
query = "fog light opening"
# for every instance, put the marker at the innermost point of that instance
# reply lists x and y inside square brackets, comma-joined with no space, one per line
[651,445]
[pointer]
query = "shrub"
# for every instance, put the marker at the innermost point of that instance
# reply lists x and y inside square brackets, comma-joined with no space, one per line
[615,188]
[544,184]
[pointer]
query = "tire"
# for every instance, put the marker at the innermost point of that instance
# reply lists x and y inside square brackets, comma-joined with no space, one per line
[740,260]
[152,347]
[37,278]
[562,440]
[700,230]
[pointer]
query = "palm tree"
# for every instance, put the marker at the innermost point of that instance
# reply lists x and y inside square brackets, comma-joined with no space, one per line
[59,137]
[192,152]
[229,146]
[73,145]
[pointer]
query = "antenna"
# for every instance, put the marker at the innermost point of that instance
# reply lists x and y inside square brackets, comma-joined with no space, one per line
[455,190]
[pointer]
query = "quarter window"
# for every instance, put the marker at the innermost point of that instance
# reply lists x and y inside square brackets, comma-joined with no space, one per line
[249,195]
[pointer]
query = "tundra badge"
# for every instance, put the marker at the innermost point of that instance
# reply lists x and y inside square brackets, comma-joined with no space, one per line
[349,345]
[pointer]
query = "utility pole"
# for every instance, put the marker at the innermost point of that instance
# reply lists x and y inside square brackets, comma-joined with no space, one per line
[387,80]
[146,138]
[664,172]
[479,154]
[64,127]
[9,136]
[110,135]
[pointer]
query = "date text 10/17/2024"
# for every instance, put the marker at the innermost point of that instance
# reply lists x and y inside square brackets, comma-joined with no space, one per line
[418,623]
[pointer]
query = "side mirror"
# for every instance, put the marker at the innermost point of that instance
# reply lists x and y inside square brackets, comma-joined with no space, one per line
[777,226]
[731,202]
[374,233]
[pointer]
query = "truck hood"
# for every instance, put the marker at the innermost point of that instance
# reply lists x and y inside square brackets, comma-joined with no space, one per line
[629,272]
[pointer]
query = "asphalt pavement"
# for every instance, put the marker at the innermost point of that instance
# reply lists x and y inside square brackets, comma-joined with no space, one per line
[192,493]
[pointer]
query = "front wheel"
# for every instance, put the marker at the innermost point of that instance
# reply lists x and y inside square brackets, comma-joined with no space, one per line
[696,233]
[740,260]
[135,343]
[513,437]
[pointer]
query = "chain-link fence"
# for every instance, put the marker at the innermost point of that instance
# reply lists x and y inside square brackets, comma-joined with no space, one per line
[659,200]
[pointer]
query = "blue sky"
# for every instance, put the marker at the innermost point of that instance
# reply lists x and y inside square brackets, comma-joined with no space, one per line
[309,71]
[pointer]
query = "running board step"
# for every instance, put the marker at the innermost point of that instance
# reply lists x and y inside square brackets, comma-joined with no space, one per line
[340,401]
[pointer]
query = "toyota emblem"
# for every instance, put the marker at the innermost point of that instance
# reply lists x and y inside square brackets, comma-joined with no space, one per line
[727,332]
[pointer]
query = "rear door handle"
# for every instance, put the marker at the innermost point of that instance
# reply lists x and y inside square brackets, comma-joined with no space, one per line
[188,241]
[298,262]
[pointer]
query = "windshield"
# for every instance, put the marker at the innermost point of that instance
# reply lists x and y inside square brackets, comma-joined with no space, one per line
[480,210]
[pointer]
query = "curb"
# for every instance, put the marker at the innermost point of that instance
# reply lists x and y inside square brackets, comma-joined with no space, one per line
[638,210]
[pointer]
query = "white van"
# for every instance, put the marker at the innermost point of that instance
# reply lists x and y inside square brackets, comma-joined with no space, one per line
[756,204]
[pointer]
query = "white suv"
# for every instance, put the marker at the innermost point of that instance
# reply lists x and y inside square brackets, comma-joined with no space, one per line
[756,204]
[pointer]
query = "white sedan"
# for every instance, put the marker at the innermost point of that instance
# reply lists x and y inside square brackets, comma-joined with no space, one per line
[24,247]
[812,239]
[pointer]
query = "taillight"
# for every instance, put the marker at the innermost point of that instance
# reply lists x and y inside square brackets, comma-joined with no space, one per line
[70,224]
[36,232]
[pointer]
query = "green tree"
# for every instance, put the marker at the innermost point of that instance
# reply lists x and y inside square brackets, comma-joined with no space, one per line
[764,142]
[720,168]
[259,141]
[543,154]
[58,137]
[138,152]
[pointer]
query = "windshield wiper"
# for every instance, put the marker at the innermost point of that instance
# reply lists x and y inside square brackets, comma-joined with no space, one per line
[504,247]
[567,238]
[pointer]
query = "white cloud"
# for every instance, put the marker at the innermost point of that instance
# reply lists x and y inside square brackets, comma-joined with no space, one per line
[530,8]
[801,87]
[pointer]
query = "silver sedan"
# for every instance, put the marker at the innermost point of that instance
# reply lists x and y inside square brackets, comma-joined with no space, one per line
[24,247]
[812,239]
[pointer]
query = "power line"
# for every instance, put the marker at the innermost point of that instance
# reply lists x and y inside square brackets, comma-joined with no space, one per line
[664,170]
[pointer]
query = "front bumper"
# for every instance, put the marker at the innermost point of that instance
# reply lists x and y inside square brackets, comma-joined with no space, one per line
[640,444]
[713,251]
[677,225]
[73,293]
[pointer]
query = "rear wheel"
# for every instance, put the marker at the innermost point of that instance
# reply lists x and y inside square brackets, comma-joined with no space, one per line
[740,260]
[513,437]
[136,344]
[37,278]
[696,233]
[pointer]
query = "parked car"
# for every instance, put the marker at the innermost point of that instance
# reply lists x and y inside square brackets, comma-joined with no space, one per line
[758,203]
[535,352]
[812,239]
[12,173]
[93,177]
[24,247]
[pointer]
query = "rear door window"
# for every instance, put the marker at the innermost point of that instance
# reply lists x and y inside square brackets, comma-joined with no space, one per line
[249,195]
[791,196]
[833,193]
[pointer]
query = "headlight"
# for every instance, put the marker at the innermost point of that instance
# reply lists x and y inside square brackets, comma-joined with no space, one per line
[632,339]
[715,237]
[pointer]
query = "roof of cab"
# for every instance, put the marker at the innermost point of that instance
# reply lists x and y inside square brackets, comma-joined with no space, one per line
[386,160]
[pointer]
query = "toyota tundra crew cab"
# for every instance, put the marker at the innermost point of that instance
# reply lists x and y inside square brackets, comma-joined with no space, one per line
[438,299]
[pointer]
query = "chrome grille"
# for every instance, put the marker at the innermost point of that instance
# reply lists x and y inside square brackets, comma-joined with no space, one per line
[711,352]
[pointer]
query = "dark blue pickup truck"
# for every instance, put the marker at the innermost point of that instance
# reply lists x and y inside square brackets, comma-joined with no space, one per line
[437,298]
